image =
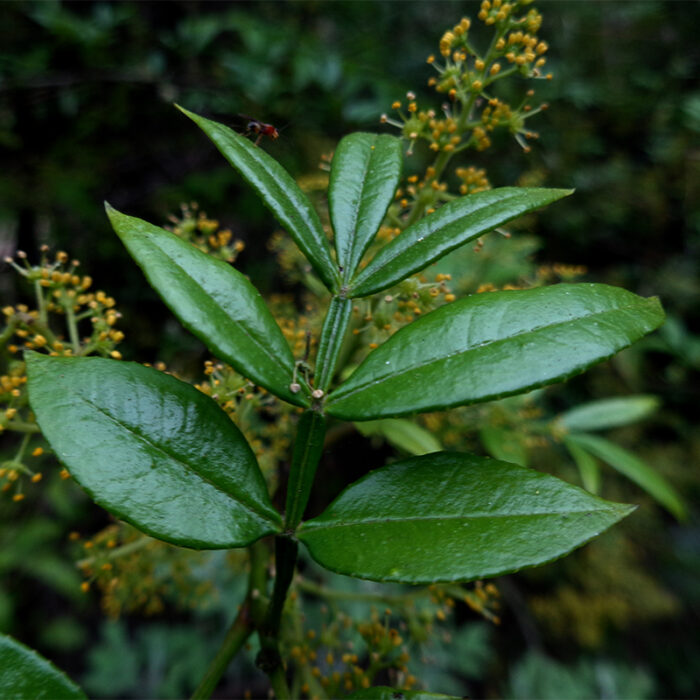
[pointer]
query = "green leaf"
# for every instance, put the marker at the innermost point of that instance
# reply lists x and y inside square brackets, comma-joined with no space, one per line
[495,344]
[365,172]
[449,516]
[25,675]
[152,450]
[451,226]
[504,444]
[587,464]
[634,469]
[403,434]
[213,301]
[383,692]
[281,195]
[608,413]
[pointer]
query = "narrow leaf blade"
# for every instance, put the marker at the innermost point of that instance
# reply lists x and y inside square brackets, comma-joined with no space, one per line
[152,450]
[451,226]
[281,195]
[449,516]
[587,464]
[403,434]
[495,344]
[634,469]
[504,444]
[213,301]
[609,413]
[26,674]
[365,172]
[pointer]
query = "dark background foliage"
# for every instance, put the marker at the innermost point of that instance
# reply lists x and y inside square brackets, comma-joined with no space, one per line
[86,93]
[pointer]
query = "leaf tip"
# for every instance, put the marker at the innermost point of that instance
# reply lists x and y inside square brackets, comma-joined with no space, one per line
[186,112]
[626,509]
[561,192]
[112,213]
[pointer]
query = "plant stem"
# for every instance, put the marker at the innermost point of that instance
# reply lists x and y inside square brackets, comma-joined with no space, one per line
[334,327]
[72,324]
[308,447]
[117,552]
[249,616]
[236,636]
[285,562]
[22,427]
[269,659]
[41,302]
[278,681]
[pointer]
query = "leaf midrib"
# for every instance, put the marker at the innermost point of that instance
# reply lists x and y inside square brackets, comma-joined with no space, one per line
[142,438]
[238,324]
[309,527]
[351,263]
[368,273]
[486,343]
[303,211]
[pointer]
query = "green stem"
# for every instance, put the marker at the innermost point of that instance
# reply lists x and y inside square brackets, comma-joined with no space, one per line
[308,447]
[236,636]
[23,446]
[19,426]
[286,551]
[278,681]
[40,302]
[72,324]
[269,659]
[249,616]
[334,327]
[117,552]
[8,332]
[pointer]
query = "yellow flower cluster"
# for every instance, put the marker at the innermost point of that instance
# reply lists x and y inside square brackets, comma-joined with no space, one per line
[454,37]
[473,180]
[136,573]
[64,306]
[566,273]
[466,76]
[331,667]
[194,226]
[376,319]
[524,50]
[329,664]
[62,292]
[495,114]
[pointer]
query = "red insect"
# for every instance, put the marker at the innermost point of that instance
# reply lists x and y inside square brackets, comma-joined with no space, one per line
[255,126]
